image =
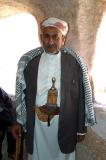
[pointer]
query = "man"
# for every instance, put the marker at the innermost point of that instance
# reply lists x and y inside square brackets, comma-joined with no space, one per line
[50,96]
[6,121]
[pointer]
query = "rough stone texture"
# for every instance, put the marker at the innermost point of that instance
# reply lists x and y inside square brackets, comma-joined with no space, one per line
[94,145]
[84,18]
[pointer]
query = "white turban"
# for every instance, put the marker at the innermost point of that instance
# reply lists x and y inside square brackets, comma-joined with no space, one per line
[61,25]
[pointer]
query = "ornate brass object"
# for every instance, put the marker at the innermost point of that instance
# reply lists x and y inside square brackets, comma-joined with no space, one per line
[52,100]
[50,109]
[52,95]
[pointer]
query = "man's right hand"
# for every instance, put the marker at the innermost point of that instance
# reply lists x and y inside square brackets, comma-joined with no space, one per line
[17,131]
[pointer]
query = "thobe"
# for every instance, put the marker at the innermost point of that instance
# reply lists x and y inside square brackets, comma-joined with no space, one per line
[46,138]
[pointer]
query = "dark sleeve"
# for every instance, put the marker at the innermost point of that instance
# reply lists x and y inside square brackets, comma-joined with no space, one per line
[81,110]
[6,100]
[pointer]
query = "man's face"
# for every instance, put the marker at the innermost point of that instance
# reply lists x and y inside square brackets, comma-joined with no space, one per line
[52,39]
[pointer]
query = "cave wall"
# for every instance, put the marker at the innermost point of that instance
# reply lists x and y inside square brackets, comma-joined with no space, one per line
[84,18]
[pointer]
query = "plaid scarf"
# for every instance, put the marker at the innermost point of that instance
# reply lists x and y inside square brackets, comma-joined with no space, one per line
[20,86]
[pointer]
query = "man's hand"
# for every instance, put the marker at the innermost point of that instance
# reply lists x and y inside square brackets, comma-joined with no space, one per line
[17,131]
[80,138]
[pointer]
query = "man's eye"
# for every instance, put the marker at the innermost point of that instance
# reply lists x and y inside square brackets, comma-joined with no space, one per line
[46,36]
[55,37]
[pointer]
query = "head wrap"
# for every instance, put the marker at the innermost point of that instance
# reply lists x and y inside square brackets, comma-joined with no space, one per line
[61,25]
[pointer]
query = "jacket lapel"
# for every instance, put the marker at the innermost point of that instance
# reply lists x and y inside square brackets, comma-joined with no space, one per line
[31,80]
[65,75]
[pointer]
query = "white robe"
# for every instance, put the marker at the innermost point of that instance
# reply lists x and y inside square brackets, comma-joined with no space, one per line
[46,138]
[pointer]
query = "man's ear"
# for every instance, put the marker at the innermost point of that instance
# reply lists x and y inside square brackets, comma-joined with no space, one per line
[63,40]
[40,38]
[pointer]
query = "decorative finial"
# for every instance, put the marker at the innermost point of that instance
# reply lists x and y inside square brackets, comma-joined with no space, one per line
[53,82]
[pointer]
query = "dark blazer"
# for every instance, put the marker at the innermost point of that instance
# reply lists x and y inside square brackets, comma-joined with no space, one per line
[5,100]
[6,110]
[72,105]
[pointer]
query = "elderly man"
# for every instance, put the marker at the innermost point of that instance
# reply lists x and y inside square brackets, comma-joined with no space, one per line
[51,96]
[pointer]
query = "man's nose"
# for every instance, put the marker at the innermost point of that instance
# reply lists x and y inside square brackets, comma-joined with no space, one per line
[51,41]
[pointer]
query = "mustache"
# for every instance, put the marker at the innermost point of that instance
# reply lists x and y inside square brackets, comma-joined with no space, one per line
[50,46]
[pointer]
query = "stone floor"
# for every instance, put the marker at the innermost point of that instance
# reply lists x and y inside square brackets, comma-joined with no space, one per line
[94,145]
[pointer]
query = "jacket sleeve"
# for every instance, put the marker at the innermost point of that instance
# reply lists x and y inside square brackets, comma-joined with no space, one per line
[7,100]
[81,129]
